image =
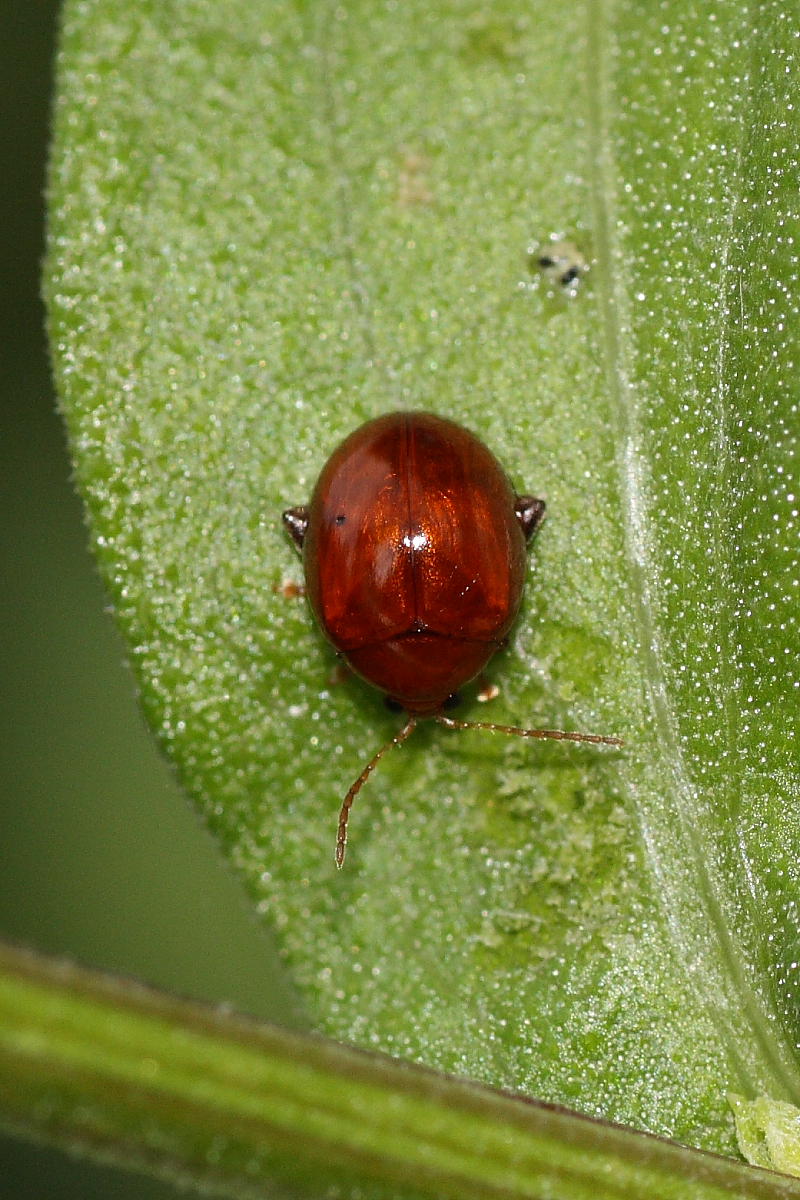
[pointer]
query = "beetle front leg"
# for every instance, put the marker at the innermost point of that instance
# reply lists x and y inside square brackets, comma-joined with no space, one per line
[530,514]
[295,521]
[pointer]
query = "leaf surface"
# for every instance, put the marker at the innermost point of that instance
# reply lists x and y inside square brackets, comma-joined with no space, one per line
[269,223]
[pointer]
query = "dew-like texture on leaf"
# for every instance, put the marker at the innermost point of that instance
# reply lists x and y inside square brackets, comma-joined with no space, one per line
[269,223]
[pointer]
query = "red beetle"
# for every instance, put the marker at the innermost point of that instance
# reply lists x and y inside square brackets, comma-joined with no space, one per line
[414,550]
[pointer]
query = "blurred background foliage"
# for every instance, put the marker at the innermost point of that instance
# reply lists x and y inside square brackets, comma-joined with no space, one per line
[100,857]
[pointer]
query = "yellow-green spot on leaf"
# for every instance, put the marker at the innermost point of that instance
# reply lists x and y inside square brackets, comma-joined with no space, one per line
[768,1132]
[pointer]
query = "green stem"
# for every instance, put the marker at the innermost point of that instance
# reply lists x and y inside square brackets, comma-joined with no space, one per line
[165,1086]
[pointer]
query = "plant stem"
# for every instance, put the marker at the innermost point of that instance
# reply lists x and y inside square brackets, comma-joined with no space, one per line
[129,1075]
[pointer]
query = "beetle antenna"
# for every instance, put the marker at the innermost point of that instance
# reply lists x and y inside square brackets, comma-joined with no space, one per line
[555,735]
[397,740]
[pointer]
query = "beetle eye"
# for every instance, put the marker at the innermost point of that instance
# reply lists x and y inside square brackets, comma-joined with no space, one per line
[340,519]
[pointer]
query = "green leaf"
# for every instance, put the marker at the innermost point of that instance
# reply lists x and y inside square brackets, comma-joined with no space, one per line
[214,1101]
[271,222]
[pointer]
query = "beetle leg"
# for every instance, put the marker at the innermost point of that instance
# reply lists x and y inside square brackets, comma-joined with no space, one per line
[530,514]
[289,589]
[295,521]
[397,740]
[487,690]
[339,672]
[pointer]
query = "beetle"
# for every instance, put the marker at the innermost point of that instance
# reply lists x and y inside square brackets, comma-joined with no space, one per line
[414,552]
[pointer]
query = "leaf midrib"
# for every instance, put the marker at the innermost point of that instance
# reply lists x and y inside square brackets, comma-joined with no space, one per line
[656,702]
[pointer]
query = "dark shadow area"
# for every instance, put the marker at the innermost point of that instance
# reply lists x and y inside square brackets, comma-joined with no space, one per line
[101,857]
